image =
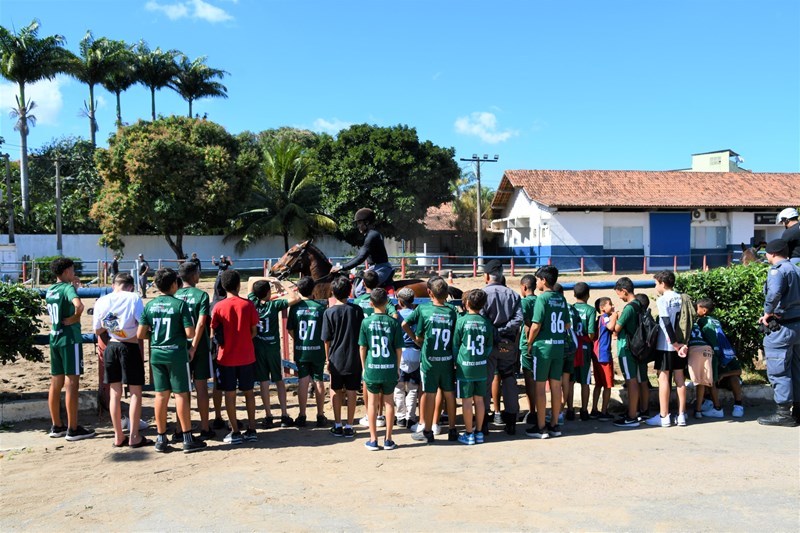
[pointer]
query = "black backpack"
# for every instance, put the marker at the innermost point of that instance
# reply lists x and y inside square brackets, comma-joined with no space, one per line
[644,340]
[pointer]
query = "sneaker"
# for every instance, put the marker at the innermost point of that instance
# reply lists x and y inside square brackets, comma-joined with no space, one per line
[570,414]
[349,432]
[537,433]
[192,446]
[57,432]
[659,421]
[126,421]
[402,422]
[411,423]
[584,415]
[681,420]
[372,445]
[416,428]
[337,431]
[548,416]
[286,421]
[380,422]
[437,429]
[218,423]
[479,437]
[162,443]
[594,415]
[250,435]
[697,414]
[605,417]
[467,438]
[364,421]
[498,418]
[389,445]
[207,434]
[643,416]
[443,418]
[300,421]
[268,422]
[177,437]
[707,404]
[452,435]
[625,422]
[738,411]
[423,436]
[80,433]
[554,431]
[322,421]
[713,413]
[233,438]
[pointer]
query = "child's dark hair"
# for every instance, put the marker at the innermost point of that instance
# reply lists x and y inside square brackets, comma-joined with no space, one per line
[124,279]
[529,282]
[624,284]
[262,289]
[557,288]
[581,291]
[187,270]
[438,287]
[643,300]
[379,297]
[430,281]
[405,296]
[60,264]
[305,286]
[230,280]
[706,303]
[667,277]
[164,279]
[549,274]
[476,300]
[371,279]
[600,302]
[340,287]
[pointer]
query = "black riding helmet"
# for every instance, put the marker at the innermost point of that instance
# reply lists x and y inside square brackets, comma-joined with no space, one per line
[365,214]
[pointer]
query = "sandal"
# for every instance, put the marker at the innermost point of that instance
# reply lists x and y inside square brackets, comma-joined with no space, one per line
[121,444]
[142,443]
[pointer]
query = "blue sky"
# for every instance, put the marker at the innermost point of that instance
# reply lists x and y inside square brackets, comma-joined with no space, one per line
[546,85]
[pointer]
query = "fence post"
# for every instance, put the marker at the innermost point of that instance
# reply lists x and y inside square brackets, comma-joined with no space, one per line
[674,263]
[550,260]
[644,264]
[730,259]
[439,263]
[614,266]
[24,271]
[474,268]
[705,264]
[402,267]
[159,264]
[582,266]
[512,266]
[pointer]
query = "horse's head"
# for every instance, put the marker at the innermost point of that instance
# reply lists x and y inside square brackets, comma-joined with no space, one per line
[293,261]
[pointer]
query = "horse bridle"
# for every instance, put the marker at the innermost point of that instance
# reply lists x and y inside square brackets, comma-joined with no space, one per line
[290,265]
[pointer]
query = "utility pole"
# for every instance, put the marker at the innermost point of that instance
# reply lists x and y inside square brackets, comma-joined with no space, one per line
[10,202]
[59,247]
[477,160]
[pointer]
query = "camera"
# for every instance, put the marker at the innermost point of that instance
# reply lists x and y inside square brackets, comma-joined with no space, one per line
[771,325]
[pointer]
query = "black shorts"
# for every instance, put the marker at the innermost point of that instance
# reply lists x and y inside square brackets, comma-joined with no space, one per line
[123,363]
[229,376]
[670,361]
[347,381]
[414,377]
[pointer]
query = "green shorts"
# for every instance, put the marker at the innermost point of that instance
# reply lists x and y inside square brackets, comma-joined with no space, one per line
[311,368]
[545,368]
[66,360]
[173,377]
[381,387]
[731,369]
[526,361]
[468,389]
[202,365]
[439,377]
[569,366]
[583,374]
[269,364]
[632,368]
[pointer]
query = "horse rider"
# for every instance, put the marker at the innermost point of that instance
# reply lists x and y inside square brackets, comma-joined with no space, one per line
[789,218]
[373,251]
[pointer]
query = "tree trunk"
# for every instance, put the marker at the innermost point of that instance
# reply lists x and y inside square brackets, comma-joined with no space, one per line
[176,245]
[285,241]
[153,102]
[92,123]
[23,154]
[190,108]
[119,109]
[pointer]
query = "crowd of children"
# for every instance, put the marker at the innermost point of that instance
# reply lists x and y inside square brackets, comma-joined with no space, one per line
[429,354]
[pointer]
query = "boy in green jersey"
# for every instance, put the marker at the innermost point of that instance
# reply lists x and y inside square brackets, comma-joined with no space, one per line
[381,347]
[633,371]
[269,366]
[472,343]
[549,326]
[305,327]
[527,287]
[170,322]
[435,323]
[66,350]
[584,324]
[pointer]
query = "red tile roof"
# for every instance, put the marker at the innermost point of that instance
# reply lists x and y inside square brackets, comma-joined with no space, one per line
[440,218]
[650,189]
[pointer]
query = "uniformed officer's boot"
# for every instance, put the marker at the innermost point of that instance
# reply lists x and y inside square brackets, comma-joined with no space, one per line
[796,411]
[781,417]
[510,420]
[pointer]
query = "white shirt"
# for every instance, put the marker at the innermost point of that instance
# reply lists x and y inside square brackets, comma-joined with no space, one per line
[669,305]
[119,313]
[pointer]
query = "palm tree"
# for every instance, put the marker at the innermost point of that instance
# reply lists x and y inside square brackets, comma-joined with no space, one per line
[155,69]
[26,59]
[285,199]
[98,58]
[123,75]
[195,80]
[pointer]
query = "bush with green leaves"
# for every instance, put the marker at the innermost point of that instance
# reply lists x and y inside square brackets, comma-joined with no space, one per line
[20,309]
[738,295]
[46,277]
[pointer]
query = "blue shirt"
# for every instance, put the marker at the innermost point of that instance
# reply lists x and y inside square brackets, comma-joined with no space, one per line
[782,290]
[603,340]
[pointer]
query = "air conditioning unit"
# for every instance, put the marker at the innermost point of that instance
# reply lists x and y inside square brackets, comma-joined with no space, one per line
[699,215]
[712,215]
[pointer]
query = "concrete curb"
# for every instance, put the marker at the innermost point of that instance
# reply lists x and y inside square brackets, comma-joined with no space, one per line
[19,410]
[753,394]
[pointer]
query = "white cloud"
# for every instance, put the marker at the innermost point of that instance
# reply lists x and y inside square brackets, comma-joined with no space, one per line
[483,125]
[46,94]
[195,9]
[330,126]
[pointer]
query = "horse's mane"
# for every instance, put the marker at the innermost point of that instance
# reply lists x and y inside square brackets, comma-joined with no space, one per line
[318,252]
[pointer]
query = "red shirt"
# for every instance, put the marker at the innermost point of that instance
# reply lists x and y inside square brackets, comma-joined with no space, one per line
[236,316]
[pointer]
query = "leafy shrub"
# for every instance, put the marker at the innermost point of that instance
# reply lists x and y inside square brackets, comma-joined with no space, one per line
[46,277]
[738,295]
[19,321]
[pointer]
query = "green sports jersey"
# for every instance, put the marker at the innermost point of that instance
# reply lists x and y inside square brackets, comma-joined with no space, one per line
[305,323]
[382,336]
[435,324]
[268,313]
[527,314]
[199,305]
[586,319]
[708,327]
[167,317]
[628,321]
[363,302]
[59,306]
[552,314]
[472,344]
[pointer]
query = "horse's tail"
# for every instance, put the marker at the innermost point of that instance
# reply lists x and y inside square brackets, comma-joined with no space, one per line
[454,292]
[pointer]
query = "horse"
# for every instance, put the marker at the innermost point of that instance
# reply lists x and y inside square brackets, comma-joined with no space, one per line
[308,260]
[749,255]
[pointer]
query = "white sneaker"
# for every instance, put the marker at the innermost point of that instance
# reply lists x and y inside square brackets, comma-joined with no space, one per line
[416,428]
[126,421]
[658,420]
[498,418]
[437,429]
[707,404]
[681,419]
[364,421]
[380,422]
[713,413]
[738,411]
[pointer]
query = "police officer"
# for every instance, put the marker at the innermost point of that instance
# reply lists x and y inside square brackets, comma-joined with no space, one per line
[373,250]
[782,345]
[789,218]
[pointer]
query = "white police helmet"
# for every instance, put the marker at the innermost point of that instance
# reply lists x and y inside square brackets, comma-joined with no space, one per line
[787,214]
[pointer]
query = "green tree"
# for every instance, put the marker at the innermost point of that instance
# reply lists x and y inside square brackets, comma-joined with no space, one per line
[285,200]
[195,79]
[389,170]
[20,308]
[123,75]
[465,208]
[26,59]
[173,176]
[155,69]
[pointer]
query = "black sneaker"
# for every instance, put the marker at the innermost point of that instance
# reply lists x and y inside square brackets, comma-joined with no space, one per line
[57,432]
[452,435]
[268,422]
[349,432]
[250,435]
[321,421]
[162,443]
[80,433]
[570,414]
[191,445]
[423,436]
[554,431]
[207,434]
[594,415]
[402,422]
[286,421]
[643,415]
[625,422]
[300,421]
[337,431]
[584,415]
[218,423]
[443,419]
[233,438]
[536,432]
[605,417]
[177,437]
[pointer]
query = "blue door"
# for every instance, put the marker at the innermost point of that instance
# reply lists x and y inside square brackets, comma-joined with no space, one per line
[670,236]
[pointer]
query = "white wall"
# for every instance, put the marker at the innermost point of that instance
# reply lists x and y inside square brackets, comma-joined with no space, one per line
[576,228]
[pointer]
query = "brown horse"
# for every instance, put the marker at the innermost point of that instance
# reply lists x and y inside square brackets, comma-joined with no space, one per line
[308,260]
[749,255]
